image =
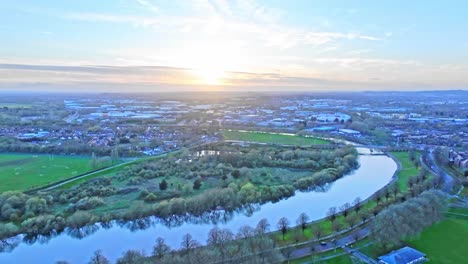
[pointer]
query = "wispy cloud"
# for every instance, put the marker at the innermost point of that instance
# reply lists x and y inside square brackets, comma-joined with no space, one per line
[149,5]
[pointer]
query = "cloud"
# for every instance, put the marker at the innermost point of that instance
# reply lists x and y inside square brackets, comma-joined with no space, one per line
[245,20]
[147,4]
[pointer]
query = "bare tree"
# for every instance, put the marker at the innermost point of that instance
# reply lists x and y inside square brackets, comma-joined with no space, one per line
[331,213]
[188,244]
[318,231]
[344,209]
[351,220]
[131,257]
[99,258]
[336,226]
[283,225]
[263,226]
[302,221]
[245,232]
[161,248]
[357,203]
[220,238]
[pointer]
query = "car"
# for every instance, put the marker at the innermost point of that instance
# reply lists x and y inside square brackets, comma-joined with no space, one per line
[323,243]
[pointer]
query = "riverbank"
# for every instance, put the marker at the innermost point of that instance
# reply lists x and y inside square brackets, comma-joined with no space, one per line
[342,191]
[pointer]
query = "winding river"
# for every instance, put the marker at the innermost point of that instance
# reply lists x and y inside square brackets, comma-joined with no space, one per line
[375,172]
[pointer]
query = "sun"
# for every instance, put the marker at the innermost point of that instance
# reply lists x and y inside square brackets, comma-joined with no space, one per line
[210,75]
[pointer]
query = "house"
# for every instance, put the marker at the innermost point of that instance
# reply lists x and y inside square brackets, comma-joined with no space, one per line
[459,159]
[404,255]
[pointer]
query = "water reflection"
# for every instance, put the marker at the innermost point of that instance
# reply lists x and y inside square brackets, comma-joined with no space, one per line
[83,232]
[114,237]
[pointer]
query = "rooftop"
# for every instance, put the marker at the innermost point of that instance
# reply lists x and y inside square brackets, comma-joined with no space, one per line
[404,255]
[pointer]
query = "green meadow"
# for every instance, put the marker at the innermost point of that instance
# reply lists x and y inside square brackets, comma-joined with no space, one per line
[26,171]
[272,138]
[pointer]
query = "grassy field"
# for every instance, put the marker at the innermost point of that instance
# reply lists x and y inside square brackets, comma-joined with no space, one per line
[345,259]
[445,242]
[272,138]
[25,171]
[407,169]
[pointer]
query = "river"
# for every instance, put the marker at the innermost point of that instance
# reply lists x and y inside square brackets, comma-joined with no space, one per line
[375,172]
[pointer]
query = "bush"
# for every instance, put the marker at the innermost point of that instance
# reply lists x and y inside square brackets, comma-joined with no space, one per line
[80,219]
[197,184]
[151,198]
[89,203]
[163,185]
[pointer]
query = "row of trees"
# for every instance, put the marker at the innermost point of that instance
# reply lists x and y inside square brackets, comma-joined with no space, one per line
[405,220]
[248,245]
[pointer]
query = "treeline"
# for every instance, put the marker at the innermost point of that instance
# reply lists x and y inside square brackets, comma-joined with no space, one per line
[248,246]
[406,220]
[17,146]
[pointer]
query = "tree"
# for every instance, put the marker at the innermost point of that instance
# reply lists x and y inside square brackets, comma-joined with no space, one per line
[357,204]
[263,226]
[317,230]
[331,214]
[114,155]
[131,257]
[356,234]
[363,215]
[220,239]
[188,243]
[161,248]
[98,258]
[283,225]
[235,174]
[345,209]
[94,161]
[378,197]
[351,220]
[163,185]
[337,226]
[245,232]
[36,205]
[302,221]
[197,184]
[407,219]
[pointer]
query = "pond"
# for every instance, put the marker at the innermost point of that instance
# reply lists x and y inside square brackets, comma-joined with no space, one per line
[375,172]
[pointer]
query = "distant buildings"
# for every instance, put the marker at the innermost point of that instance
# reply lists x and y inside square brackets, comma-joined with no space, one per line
[459,159]
[349,132]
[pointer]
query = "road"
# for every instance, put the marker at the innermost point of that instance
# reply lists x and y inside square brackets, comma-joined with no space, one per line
[361,256]
[306,251]
[448,181]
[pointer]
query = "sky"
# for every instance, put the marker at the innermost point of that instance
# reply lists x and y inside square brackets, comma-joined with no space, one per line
[235,45]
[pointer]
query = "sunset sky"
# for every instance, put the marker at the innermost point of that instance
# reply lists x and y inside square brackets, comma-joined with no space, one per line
[262,45]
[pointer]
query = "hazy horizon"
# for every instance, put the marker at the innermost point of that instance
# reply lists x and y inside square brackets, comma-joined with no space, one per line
[241,45]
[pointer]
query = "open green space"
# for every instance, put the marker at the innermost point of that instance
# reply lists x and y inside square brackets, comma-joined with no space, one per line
[272,138]
[26,171]
[444,242]
[407,170]
[344,259]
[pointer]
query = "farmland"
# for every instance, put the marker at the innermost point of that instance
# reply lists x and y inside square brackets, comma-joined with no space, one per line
[25,171]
